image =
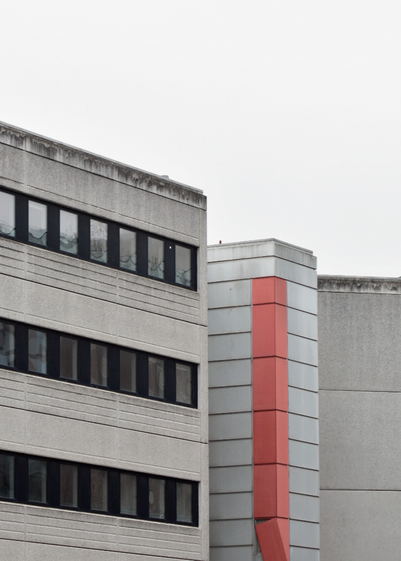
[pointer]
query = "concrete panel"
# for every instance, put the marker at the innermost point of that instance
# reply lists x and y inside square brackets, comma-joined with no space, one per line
[303,428]
[302,402]
[360,525]
[239,553]
[304,481]
[230,400]
[231,453]
[304,455]
[360,341]
[295,273]
[303,554]
[231,506]
[304,508]
[241,269]
[230,347]
[235,479]
[302,350]
[301,298]
[304,534]
[231,532]
[230,373]
[230,294]
[358,434]
[230,320]
[302,376]
[302,324]
[230,426]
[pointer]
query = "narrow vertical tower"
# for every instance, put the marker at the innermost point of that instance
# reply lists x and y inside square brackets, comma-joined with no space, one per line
[264,469]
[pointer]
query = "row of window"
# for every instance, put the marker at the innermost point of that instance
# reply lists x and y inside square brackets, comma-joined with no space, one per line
[76,486]
[80,360]
[78,234]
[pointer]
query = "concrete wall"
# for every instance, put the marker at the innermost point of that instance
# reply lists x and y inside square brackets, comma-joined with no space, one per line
[56,419]
[360,363]
[231,270]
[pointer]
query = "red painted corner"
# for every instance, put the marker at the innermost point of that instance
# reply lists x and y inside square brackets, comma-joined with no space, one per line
[270,437]
[269,331]
[268,290]
[270,384]
[271,491]
[274,539]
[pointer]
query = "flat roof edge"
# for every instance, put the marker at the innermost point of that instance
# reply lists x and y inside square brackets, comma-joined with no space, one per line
[357,284]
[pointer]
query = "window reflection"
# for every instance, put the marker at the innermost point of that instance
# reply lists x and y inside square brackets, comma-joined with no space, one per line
[6,476]
[68,485]
[98,240]
[68,358]
[68,232]
[37,351]
[156,498]
[37,470]
[128,495]
[183,383]
[98,365]
[128,371]
[156,258]
[183,265]
[37,220]
[99,489]
[7,345]
[7,214]
[184,502]
[127,249]
[156,377]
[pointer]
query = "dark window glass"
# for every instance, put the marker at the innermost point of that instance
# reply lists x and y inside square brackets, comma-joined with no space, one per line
[183,384]
[184,502]
[37,475]
[128,371]
[155,258]
[37,223]
[156,498]
[127,249]
[68,232]
[68,358]
[7,345]
[98,365]
[183,273]
[128,492]
[156,377]
[98,240]
[7,214]
[68,485]
[37,351]
[99,489]
[6,476]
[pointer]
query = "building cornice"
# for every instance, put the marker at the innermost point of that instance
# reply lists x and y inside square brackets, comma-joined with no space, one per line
[369,285]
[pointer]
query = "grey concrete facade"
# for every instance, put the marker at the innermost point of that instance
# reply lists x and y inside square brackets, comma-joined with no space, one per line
[230,272]
[359,363]
[55,419]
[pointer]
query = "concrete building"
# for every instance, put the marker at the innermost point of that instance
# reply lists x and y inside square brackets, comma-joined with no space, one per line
[360,417]
[103,359]
[264,447]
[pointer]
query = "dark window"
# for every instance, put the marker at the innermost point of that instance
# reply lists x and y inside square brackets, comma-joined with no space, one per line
[98,365]
[183,272]
[128,494]
[7,214]
[68,486]
[7,345]
[156,498]
[184,502]
[156,377]
[37,480]
[37,351]
[183,384]
[99,489]
[69,232]
[155,258]
[98,243]
[127,249]
[68,358]
[37,223]
[6,476]
[127,371]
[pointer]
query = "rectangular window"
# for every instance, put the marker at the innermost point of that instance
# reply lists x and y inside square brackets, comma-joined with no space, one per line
[7,214]
[155,258]
[184,502]
[7,345]
[98,242]
[6,476]
[127,249]
[156,498]
[127,371]
[37,476]
[156,377]
[68,358]
[183,383]
[37,351]
[98,365]
[37,220]
[68,486]
[183,273]
[128,494]
[68,232]
[99,490]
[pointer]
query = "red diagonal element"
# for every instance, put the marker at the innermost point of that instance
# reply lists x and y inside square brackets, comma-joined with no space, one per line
[274,539]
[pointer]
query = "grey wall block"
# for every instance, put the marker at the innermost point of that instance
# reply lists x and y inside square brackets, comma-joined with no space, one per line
[231,453]
[230,426]
[241,269]
[295,273]
[304,534]
[230,294]
[304,455]
[231,506]
[304,508]
[303,428]
[230,373]
[304,481]
[303,554]
[302,324]
[230,320]
[302,376]
[239,553]
[302,350]
[231,532]
[230,347]
[230,400]
[234,479]
[301,298]
[302,402]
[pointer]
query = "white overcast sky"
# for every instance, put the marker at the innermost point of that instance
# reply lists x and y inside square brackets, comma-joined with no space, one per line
[286,113]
